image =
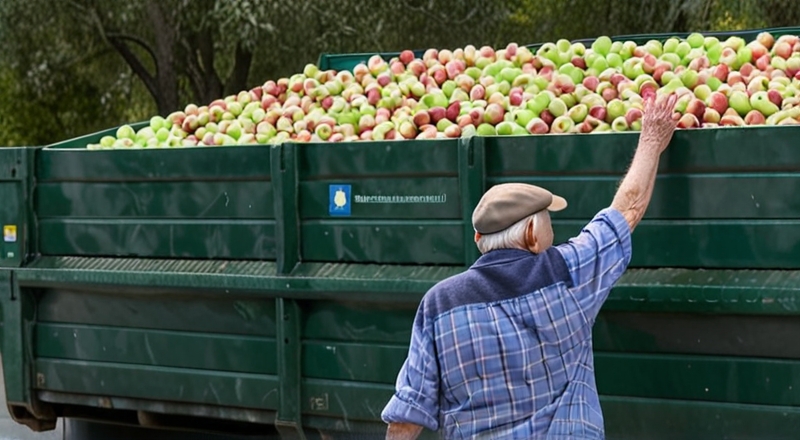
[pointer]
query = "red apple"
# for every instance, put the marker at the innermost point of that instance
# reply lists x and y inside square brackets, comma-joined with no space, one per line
[783,49]
[735,77]
[754,117]
[452,131]
[775,97]
[454,68]
[731,120]
[579,62]
[406,57]
[661,67]
[647,89]
[477,116]
[766,39]
[591,82]
[417,67]
[757,49]
[711,115]
[688,120]
[617,78]
[547,117]
[477,93]
[437,114]
[546,72]
[763,62]
[717,101]
[487,52]
[453,111]
[696,107]
[598,112]
[464,120]
[699,63]
[537,126]
[494,114]
[609,94]
[721,72]
[747,70]
[649,63]
[564,83]
[422,118]
[633,114]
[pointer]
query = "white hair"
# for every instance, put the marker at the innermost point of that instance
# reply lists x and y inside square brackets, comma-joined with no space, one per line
[513,237]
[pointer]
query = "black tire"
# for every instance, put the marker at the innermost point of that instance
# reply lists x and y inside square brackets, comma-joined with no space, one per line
[86,430]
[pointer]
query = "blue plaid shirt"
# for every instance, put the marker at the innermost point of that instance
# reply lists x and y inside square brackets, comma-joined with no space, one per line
[504,349]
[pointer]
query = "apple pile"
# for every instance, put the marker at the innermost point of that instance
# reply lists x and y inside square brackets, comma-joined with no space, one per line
[560,87]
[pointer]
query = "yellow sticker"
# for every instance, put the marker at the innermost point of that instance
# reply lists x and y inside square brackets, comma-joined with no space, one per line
[10,233]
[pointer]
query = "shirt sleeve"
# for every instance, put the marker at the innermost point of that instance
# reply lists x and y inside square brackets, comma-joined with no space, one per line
[597,258]
[416,397]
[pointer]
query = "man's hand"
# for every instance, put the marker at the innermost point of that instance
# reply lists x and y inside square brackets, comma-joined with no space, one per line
[658,124]
[403,431]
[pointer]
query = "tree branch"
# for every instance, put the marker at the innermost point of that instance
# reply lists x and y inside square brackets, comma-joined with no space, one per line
[135,65]
[117,41]
[192,70]
[241,70]
[139,42]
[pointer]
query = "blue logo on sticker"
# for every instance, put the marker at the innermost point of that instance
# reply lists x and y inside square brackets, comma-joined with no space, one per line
[339,200]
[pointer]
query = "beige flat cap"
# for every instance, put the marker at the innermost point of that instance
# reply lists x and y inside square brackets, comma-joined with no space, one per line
[505,204]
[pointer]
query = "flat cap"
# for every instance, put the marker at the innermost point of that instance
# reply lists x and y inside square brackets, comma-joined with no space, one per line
[505,204]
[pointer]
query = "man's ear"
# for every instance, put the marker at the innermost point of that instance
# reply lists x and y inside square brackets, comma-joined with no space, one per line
[530,237]
[477,236]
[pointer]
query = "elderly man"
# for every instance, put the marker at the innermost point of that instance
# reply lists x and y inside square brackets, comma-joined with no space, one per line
[504,349]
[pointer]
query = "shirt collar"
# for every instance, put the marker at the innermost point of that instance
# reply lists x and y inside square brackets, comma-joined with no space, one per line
[498,256]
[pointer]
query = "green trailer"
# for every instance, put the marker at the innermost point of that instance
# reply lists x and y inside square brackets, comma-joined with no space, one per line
[215,287]
[270,290]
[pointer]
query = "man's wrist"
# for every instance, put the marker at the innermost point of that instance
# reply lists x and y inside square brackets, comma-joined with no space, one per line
[649,142]
[402,431]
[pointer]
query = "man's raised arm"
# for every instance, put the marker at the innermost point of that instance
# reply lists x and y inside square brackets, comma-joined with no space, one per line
[636,188]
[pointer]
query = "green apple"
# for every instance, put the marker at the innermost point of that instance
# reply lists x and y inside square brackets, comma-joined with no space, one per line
[557,107]
[505,128]
[163,133]
[695,40]
[683,49]
[234,129]
[578,113]
[713,83]
[540,102]
[671,45]
[602,45]
[672,58]
[615,109]
[126,132]
[689,78]
[702,91]
[569,99]
[740,102]
[485,129]
[107,141]
[760,101]
[523,116]
[619,124]
[614,60]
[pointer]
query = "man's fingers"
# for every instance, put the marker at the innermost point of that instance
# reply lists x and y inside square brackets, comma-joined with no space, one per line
[648,103]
